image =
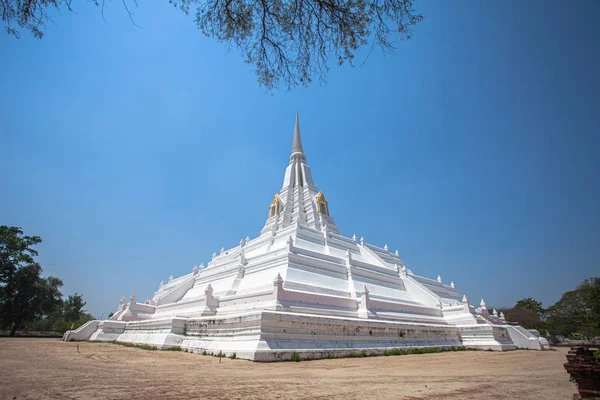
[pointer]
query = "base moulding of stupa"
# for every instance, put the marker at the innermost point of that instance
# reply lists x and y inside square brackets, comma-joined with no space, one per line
[302,287]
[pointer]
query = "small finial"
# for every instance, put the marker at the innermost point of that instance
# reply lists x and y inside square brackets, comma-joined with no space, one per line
[362,241]
[365,290]
[278,279]
[132,298]
[439,279]
[482,304]
[208,289]
[170,278]
[501,315]
[404,270]
[495,312]
[161,284]
[214,255]
[247,239]
[385,247]
[123,300]
[397,254]
[222,250]
[195,270]
[354,237]
[242,243]
[201,266]
[464,299]
[452,285]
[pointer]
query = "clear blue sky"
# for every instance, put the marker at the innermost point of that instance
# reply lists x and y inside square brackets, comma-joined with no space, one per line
[473,149]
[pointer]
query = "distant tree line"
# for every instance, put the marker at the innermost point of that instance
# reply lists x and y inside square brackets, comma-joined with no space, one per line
[29,301]
[576,315]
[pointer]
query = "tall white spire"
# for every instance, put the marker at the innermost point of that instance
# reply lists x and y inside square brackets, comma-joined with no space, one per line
[300,202]
[297,150]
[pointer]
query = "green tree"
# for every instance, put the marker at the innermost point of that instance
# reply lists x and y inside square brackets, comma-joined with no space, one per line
[73,308]
[577,311]
[15,250]
[24,295]
[70,315]
[73,314]
[525,317]
[528,312]
[530,304]
[291,41]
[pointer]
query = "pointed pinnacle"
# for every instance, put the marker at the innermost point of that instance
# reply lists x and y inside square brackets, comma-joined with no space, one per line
[297,143]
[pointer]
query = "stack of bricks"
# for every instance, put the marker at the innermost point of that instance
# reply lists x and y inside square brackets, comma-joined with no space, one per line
[584,368]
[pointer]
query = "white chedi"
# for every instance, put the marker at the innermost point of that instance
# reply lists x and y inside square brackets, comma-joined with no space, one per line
[260,297]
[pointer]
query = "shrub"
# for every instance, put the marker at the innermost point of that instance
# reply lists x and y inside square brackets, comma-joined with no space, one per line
[138,346]
[204,353]
[233,356]
[295,357]
[174,348]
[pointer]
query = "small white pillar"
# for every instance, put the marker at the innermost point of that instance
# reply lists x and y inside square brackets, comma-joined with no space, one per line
[278,287]
[214,255]
[439,279]
[195,270]
[354,238]
[397,253]
[465,302]
[483,309]
[222,251]
[362,241]
[210,302]
[452,285]
[385,247]
[363,307]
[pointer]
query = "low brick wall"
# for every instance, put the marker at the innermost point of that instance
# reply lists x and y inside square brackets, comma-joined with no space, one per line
[584,367]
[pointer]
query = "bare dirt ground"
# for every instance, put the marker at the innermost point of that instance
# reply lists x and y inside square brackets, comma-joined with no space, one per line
[52,369]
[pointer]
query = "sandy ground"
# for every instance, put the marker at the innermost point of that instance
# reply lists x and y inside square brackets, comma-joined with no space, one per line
[52,369]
